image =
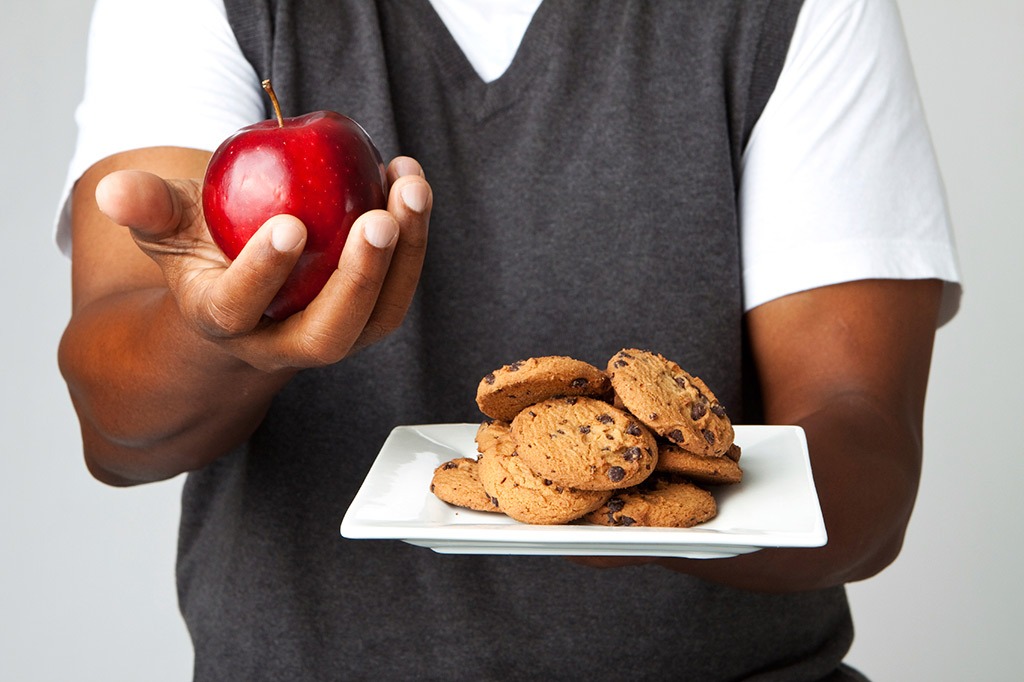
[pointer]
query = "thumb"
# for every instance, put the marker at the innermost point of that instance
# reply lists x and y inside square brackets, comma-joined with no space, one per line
[152,207]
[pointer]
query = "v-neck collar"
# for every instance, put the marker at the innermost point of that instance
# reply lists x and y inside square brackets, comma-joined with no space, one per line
[481,97]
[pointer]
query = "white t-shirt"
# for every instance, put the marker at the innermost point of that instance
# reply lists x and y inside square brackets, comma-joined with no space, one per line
[839,179]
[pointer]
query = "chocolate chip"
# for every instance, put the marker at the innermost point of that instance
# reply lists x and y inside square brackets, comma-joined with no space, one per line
[616,474]
[621,363]
[559,489]
[489,378]
[625,521]
[653,416]
[632,454]
[605,419]
[633,429]
[585,429]
[449,465]
[571,400]
[697,410]
[709,437]
[514,367]
[718,410]
[616,504]
[681,382]
[494,500]
[675,435]
[547,482]
[579,382]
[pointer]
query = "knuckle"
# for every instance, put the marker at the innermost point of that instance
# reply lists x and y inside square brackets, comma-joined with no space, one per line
[221,317]
[374,331]
[320,346]
[416,240]
[360,282]
[386,319]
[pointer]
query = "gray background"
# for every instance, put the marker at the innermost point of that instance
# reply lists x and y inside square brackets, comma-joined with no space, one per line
[86,577]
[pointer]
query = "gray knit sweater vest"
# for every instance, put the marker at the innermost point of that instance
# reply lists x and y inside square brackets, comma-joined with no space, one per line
[584,202]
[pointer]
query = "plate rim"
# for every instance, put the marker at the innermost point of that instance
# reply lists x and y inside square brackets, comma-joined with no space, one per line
[520,538]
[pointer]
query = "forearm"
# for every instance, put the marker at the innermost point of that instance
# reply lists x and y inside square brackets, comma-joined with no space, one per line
[849,363]
[154,398]
[866,468]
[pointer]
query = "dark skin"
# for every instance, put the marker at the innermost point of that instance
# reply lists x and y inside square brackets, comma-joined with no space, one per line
[166,353]
[848,363]
[167,358]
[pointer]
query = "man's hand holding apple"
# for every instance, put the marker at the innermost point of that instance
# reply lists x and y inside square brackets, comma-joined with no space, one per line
[364,299]
[295,249]
[169,359]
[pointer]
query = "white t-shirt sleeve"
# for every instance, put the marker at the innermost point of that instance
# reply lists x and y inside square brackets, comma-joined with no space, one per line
[159,73]
[839,180]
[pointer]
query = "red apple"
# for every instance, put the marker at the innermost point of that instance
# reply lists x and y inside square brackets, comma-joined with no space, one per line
[322,168]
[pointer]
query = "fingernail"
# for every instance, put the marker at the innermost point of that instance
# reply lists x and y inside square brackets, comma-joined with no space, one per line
[285,235]
[414,195]
[406,166]
[380,232]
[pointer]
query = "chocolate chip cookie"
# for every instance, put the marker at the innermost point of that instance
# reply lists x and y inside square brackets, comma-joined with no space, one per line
[660,501]
[457,482]
[503,393]
[670,401]
[489,433]
[526,496]
[584,443]
[698,468]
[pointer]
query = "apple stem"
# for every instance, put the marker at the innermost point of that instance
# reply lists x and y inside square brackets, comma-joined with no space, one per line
[273,100]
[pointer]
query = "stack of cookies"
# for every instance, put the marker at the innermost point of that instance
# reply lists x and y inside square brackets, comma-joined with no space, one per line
[635,444]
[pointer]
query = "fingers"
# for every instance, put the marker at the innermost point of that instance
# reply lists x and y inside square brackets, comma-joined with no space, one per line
[401,166]
[365,299]
[410,201]
[149,205]
[238,296]
[164,217]
[369,294]
[327,329]
[219,299]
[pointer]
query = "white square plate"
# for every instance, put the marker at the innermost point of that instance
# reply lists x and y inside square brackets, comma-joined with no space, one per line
[774,506]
